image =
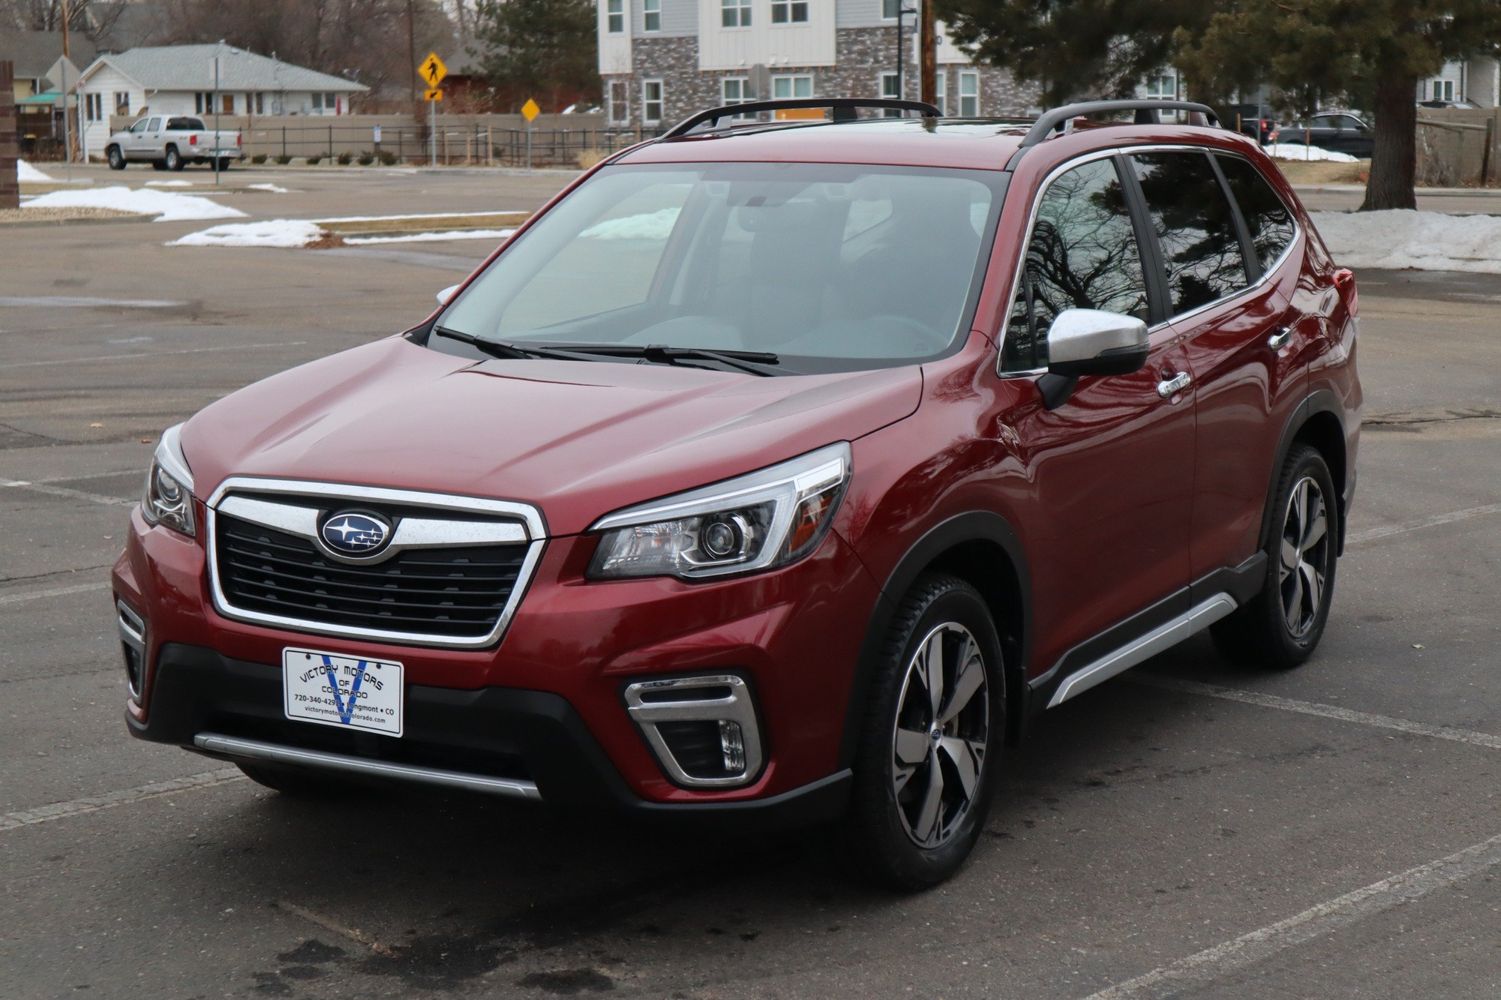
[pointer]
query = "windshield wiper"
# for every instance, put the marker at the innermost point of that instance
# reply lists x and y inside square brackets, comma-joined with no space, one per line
[753,362]
[502,349]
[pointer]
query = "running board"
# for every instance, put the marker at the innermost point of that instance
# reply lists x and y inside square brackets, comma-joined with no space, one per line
[1164,636]
[234,746]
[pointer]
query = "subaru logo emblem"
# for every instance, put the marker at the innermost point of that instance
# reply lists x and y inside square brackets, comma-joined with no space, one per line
[357,535]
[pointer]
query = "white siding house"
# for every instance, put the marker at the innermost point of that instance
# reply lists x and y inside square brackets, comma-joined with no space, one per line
[179,79]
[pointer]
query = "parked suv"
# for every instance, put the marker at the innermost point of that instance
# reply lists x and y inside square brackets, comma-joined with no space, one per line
[776,471]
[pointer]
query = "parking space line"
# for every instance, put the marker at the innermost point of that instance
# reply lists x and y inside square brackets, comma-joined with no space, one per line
[147,356]
[1372,534]
[1470,736]
[1205,967]
[68,492]
[36,595]
[94,803]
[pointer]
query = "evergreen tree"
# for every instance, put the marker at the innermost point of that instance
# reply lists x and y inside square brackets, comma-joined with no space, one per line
[543,49]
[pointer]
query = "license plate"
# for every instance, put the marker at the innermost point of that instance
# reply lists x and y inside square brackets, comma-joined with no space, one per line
[345,691]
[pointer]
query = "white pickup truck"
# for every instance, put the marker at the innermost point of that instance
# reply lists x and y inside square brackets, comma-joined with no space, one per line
[170,142]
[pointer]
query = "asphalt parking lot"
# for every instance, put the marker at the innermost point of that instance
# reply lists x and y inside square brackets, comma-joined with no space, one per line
[1189,829]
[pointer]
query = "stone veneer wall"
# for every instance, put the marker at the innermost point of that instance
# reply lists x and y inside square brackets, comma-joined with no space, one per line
[861,55]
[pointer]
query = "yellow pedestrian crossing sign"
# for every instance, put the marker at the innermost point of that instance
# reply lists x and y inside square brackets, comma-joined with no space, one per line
[530,110]
[432,70]
[432,95]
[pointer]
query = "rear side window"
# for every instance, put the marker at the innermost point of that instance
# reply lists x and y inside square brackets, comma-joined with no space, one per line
[1268,219]
[1083,255]
[1195,228]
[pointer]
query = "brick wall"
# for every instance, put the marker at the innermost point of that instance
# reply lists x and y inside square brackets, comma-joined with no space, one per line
[10,189]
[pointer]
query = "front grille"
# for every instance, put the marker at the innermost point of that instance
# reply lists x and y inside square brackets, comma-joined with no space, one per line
[441,592]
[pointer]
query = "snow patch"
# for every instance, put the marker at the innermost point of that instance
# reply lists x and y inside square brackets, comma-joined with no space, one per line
[272,233]
[166,206]
[1404,239]
[273,188]
[454,234]
[647,226]
[169,184]
[1298,151]
[27,174]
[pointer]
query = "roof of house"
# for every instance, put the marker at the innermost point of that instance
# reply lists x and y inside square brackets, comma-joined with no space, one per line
[191,67]
[35,52]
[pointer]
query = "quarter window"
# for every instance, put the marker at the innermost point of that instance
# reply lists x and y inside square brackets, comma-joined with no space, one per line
[651,15]
[615,17]
[1195,228]
[1268,219]
[789,11]
[735,13]
[1083,255]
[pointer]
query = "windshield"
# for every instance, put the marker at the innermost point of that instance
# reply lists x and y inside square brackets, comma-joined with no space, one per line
[828,267]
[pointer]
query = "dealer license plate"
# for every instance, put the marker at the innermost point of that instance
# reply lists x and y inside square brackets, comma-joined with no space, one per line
[345,691]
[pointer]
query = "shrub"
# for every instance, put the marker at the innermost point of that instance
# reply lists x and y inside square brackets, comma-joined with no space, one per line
[312,161]
[258,158]
[345,159]
[366,159]
[284,159]
[389,159]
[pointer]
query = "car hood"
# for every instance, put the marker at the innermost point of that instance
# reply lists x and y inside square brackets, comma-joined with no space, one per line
[577,439]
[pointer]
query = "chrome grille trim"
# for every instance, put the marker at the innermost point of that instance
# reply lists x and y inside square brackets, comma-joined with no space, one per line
[300,519]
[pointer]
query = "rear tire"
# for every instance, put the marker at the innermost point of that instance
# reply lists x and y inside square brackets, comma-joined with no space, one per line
[296,782]
[223,164]
[115,157]
[173,159]
[1280,628]
[928,761]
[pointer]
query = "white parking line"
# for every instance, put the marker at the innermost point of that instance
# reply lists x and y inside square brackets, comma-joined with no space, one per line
[1470,736]
[36,595]
[85,302]
[1211,964]
[69,493]
[94,803]
[1371,534]
[146,356]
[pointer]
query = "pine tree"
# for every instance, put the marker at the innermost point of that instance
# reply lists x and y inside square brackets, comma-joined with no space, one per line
[542,49]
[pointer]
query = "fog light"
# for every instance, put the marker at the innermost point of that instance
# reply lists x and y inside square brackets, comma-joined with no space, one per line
[732,746]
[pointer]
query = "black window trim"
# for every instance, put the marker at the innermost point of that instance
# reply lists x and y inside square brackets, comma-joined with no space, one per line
[1134,196]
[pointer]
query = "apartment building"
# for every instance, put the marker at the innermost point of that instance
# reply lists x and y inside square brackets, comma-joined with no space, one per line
[662,60]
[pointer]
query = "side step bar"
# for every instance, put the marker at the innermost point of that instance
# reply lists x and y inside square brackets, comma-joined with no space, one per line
[1164,636]
[273,753]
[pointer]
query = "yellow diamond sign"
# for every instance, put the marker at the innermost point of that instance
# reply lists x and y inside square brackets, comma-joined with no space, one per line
[530,110]
[432,70]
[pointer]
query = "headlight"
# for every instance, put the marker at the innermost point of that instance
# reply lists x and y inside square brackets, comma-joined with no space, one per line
[168,499]
[764,519]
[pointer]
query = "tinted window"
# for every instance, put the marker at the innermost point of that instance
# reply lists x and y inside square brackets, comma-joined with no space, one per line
[1195,228]
[1083,255]
[1270,222]
[185,124]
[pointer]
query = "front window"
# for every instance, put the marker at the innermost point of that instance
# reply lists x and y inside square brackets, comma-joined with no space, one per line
[735,13]
[786,87]
[789,11]
[813,264]
[651,15]
[651,101]
[615,17]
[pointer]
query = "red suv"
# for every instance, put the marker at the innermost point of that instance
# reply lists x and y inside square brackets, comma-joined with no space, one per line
[776,469]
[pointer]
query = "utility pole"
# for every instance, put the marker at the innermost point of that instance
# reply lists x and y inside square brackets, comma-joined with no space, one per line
[412,50]
[67,123]
[928,54]
[901,50]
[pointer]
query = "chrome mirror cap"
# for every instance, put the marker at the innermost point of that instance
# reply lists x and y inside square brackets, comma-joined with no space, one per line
[1094,342]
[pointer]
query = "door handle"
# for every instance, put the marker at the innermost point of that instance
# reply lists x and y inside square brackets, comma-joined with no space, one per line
[1176,384]
[1279,339]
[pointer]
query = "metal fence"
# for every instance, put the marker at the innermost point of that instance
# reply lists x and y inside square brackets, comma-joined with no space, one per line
[450,144]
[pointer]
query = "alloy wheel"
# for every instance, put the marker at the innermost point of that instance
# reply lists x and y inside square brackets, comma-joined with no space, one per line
[942,729]
[1304,556]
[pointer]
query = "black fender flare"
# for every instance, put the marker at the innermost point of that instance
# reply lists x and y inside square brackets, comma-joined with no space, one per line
[1317,402]
[973,526]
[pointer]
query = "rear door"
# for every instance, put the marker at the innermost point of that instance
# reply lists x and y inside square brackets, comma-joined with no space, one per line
[1229,289]
[1112,467]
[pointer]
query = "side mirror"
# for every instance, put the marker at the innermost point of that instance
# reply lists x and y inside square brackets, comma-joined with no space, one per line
[447,294]
[1090,342]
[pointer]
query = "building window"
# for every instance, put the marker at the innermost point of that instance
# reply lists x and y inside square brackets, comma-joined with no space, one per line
[941,91]
[260,104]
[615,17]
[93,107]
[619,102]
[734,90]
[122,102]
[651,15]
[651,102]
[785,87]
[1162,86]
[789,11]
[969,94]
[891,91]
[203,102]
[735,13]
[1442,90]
[318,103]
[890,9]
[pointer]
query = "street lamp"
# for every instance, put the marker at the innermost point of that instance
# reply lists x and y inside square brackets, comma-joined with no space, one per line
[901,51]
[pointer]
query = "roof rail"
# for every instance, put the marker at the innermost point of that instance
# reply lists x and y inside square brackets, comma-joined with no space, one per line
[844,109]
[1146,114]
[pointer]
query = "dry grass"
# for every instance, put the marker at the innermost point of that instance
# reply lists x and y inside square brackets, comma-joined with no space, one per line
[13,216]
[590,157]
[428,224]
[1323,172]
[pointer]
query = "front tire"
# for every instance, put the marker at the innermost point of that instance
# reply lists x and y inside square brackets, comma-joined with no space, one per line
[1280,628]
[115,157]
[173,161]
[929,754]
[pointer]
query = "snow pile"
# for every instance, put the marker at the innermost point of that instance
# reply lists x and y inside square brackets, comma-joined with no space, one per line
[1424,241]
[453,234]
[1298,151]
[27,174]
[648,226]
[166,206]
[273,188]
[169,184]
[272,233]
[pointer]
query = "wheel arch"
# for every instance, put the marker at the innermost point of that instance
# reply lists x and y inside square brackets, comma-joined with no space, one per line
[1319,422]
[981,548]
